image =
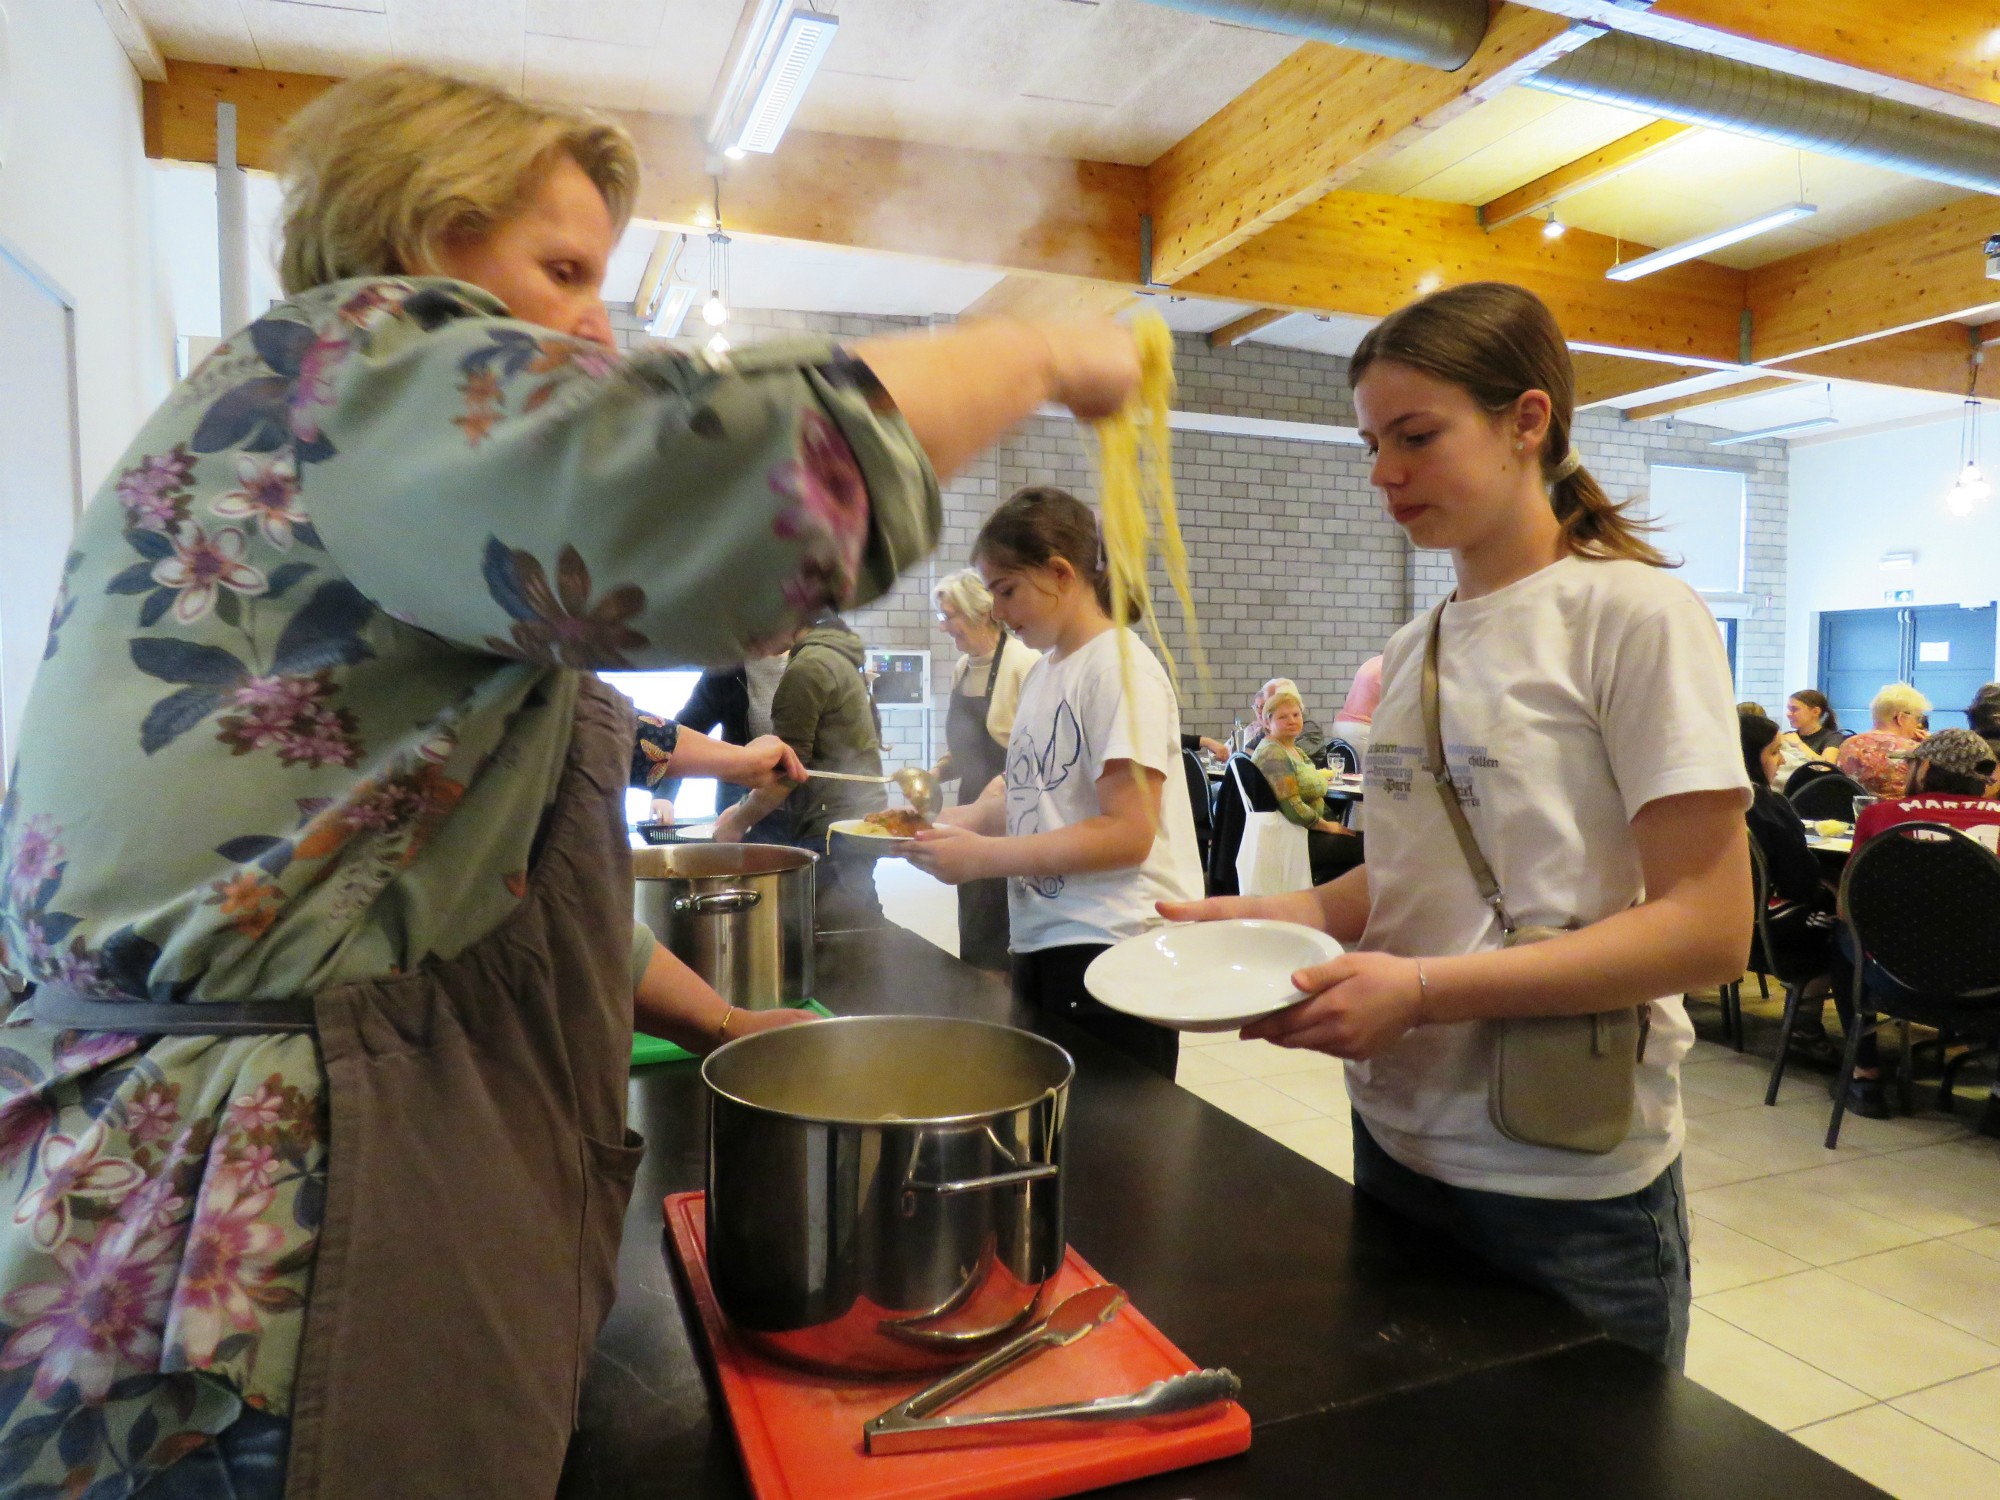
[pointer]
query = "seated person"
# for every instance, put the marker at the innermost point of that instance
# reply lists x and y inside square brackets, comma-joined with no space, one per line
[1870,757]
[1311,741]
[1799,915]
[1297,784]
[1954,782]
[1984,715]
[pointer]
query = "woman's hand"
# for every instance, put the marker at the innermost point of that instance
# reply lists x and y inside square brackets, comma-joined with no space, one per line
[951,853]
[1093,366]
[1293,906]
[1356,1005]
[1327,825]
[766,761]
[732,826]
[1214,747]
[744,1022]
[663,810]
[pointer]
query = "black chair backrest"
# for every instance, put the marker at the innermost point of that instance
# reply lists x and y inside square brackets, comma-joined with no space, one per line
[1200,800]
[1827,797]
[1241,779]
[1923,901]
[1807,774]
[1342,757]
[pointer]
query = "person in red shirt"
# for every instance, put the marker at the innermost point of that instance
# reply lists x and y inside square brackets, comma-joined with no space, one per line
[1952,781]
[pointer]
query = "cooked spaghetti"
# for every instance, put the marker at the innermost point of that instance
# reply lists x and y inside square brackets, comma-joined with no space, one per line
[897,822]
[1136,489]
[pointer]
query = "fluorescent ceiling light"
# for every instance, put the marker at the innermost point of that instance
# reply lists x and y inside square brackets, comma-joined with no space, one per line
[675,300]
[782,80]
[1673,255]
[1781,430]
[1899,559]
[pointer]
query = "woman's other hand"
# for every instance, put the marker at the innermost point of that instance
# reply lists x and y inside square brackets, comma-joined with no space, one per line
[1327,825]
[663,810]
[951,853]
[744,1022]
[1357,1005]
[731,826]
[766,761]
[1293,906]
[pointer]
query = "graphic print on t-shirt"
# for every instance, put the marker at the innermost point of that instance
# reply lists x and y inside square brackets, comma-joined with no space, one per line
[1394,769]
[1031,772]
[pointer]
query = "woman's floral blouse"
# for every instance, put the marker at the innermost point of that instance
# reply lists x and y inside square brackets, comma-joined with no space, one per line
[1299,786]
[1865,758]
[306,697]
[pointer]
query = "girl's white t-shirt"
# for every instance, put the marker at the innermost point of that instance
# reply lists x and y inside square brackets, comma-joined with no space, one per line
[1073,720]
[1569,700]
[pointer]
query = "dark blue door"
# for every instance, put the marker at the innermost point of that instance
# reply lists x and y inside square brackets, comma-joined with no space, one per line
[1860,653]
[1952,658]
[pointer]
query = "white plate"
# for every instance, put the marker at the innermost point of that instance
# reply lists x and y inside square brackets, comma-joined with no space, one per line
[1207,976]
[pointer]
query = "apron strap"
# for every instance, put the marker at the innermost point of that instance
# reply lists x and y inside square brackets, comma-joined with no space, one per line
[61,1006]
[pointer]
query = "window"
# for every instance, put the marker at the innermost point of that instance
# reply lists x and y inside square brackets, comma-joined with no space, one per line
[1700,518]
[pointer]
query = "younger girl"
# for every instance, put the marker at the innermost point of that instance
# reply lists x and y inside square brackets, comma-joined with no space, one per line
[1088,845]
[1587,724]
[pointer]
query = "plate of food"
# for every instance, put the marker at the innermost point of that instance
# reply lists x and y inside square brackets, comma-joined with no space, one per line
[894,825]
[1208,976]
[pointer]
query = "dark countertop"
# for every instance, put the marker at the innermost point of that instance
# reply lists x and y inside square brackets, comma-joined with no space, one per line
[1358,1340]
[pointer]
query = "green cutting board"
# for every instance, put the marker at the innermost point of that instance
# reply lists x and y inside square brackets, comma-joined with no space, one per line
[655,1049]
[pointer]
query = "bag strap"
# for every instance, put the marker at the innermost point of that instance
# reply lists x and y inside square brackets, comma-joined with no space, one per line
[1440,769]
[993,672]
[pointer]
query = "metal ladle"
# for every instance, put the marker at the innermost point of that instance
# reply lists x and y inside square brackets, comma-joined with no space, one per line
[918,787]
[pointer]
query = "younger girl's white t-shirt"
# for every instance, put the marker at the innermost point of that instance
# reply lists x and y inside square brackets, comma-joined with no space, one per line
[1074,718]
[1570,699]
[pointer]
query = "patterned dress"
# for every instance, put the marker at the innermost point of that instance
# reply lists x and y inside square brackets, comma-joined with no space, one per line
[306,695]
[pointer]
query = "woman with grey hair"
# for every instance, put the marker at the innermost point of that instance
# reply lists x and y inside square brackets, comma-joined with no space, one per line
[313,1112]
[985,689]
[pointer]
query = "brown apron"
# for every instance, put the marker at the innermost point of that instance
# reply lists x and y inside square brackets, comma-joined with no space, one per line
[478,1169]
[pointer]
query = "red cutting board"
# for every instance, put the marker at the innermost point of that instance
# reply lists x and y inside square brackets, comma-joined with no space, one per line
[800,1433]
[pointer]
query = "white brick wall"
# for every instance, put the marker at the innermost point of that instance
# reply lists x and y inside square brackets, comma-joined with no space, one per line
[1296,570]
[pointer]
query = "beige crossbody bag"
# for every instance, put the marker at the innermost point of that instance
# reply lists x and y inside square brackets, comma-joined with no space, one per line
[1562,1081]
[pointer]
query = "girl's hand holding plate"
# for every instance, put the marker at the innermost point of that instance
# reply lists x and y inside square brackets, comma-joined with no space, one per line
[1356,1005]
[953,855]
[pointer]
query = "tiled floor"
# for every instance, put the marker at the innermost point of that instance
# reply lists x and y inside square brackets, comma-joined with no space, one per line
[1850,1297]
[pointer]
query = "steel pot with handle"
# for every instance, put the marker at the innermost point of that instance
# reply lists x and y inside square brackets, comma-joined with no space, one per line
[739,915]
[884,1192]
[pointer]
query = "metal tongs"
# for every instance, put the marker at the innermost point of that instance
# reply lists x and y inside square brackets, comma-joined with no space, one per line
[909,1426]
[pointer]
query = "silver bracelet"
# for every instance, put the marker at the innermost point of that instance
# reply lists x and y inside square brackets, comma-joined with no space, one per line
[1423,989]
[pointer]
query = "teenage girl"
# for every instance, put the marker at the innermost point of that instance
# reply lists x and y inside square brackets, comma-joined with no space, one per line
[1090,818]
[1589,724]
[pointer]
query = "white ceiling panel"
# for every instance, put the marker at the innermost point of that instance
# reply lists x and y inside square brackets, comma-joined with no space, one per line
[595,75]
[625,23]
[693,43]
[298,38]
[1497,146]
[211,31]
[1315,334]
[480,39]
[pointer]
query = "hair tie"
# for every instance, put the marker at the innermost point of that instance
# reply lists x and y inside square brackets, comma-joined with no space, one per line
[1569,465]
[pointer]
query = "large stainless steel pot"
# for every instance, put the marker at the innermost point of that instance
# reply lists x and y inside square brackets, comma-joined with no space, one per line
[739,915]
[884,1192]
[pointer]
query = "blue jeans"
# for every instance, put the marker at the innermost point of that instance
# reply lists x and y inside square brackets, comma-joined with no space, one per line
[245,1462]
[1621,1262]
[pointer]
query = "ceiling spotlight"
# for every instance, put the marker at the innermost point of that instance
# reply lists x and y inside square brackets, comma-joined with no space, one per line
[1553,229]
[718,345]
[734,153]
[713,313]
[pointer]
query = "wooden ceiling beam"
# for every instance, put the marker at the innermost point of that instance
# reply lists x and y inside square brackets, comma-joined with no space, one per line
[1049,297]
[135,38]
[1601,165]
[1229,335]
[1320,117]
[1924,269]
[1936,357]
[1721,393]
[1606,377]
[1367,254]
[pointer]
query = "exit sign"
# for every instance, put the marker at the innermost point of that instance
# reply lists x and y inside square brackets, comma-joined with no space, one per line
[1900,596]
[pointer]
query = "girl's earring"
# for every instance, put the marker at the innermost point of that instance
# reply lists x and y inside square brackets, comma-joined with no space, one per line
[1517,445]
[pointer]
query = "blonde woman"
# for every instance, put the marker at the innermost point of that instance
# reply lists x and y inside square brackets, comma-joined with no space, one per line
[1297,783]
[985,690]
[1871,757]
[313,1122]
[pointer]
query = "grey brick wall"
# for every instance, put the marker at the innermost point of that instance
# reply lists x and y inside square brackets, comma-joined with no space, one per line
[1296,570]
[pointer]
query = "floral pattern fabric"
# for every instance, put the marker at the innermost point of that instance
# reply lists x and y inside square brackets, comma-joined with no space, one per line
[304,704]
[1299,786]
[1865,758]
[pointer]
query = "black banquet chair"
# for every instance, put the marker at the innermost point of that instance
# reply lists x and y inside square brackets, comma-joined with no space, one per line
[1922,902]
[1807,774]
[1240,779]
[1202,801]
[1830,796]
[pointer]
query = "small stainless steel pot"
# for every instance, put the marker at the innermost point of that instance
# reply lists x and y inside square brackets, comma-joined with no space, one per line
[739,915]
[884,1192]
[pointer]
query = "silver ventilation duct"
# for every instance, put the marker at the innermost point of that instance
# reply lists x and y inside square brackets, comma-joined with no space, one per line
[1437,33]
[1638,73]
[1700,88]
